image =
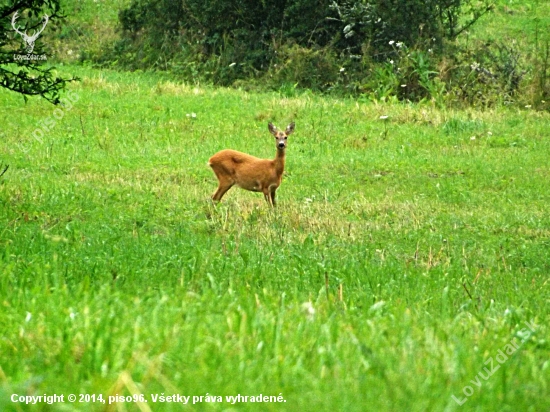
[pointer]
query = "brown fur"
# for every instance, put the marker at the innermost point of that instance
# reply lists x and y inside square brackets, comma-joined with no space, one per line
[251,173]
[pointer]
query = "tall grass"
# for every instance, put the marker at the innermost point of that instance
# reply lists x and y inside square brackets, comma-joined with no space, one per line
[401,257]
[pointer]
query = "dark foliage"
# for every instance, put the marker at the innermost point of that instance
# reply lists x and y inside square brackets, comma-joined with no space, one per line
[28,77]
[223,41]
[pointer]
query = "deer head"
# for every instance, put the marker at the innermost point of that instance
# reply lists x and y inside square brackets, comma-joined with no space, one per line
[29,39]
[279,135]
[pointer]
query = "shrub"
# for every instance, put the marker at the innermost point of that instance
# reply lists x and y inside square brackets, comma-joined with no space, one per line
[308,68]
[228,40]
[486,74]
[248,32]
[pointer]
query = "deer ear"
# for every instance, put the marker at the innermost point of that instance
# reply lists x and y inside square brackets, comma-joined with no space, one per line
[289,128]
[272,129]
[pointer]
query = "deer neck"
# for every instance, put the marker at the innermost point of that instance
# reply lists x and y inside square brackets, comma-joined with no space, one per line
[280,161]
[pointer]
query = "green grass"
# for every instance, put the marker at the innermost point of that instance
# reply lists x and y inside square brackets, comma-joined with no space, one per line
[422,247]
[518,23]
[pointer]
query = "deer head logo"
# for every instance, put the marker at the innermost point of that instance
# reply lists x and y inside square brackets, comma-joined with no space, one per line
[29,39]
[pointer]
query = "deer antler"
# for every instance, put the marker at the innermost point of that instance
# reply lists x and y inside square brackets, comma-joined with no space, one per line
[35,35]
[13,19]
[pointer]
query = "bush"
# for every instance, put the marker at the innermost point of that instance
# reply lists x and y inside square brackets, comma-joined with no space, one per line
[306,68]
[248,32]
[486,74]
[410,75]
[226,40]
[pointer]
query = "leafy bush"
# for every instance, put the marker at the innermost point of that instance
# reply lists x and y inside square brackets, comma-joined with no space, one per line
[486,74]
[315,69]
[227,40]
[410,75]
[248,32]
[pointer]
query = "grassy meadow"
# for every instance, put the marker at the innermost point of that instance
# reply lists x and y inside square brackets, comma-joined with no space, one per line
[403,255]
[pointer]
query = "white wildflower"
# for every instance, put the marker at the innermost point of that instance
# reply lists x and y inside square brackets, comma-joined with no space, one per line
[377,306]
[308,310]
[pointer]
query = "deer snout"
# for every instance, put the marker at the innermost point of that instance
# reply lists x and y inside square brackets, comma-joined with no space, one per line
[282,145]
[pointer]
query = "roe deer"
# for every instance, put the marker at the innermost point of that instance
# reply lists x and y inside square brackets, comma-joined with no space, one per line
[249,172]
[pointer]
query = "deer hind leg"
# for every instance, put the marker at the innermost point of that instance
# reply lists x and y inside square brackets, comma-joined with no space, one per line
[225,183]
[222,188]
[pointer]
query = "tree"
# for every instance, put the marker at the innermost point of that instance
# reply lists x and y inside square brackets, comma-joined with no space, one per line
[22,69]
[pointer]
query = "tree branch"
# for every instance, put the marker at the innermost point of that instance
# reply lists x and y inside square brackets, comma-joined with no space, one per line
[489,8]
